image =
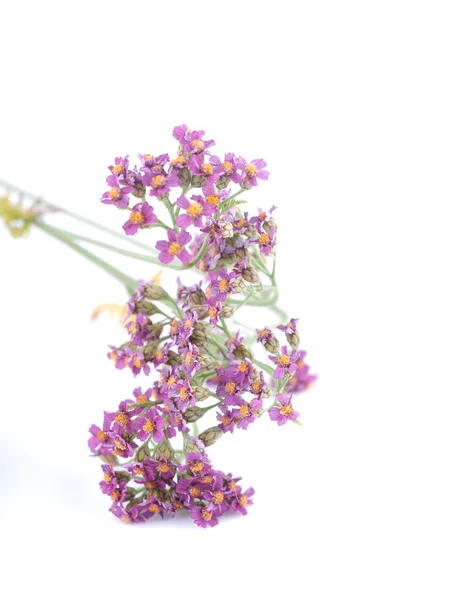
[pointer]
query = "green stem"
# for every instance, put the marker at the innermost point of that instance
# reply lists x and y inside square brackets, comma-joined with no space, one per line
[264,367]
[128,282]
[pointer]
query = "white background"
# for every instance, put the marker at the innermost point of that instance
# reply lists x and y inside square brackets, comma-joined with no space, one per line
[348,102]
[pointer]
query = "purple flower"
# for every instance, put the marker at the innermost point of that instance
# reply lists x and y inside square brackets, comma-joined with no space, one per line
[285,363]
[121,421]
[242,501]
[142,215]
[211,172]
[226,418]
[161,183]
[204,516]
[99,437]
[252,171]
[109,482]
[174,247]
[196,463]
[151,424]
[195,211]
[266,241]
[153,507]
[116,195]
[141,396]
[123,448]
[245,414]
[284,412]
[228,166]
[290,327]
[153,164]
[191,141]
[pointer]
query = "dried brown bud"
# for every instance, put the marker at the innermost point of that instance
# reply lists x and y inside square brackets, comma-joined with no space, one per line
[173,358]
[189,445]
[250,275]
[150,350]
[211,435]
[223,182]
[198,181]
[109,459]
[227,229]
[122,476]
[129,494]
[241,254]
[227,311]
[205,361]
[251,232]
[140,189]
[197,297]
[185,177]
[242,352]
[200,310]
[238,285]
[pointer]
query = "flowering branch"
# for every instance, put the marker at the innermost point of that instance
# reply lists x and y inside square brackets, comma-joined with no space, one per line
[194,348]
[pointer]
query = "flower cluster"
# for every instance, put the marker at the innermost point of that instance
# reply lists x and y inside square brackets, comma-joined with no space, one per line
[188,345]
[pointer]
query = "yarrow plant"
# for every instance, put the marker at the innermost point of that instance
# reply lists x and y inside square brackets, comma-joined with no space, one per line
[188,346]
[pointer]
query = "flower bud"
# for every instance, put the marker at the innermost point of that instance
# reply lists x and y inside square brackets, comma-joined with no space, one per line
[165,448]
[194,413]
[200,393]
[250,275]
[154,292]
[293,339]
[109,459]
[227,311]
[189,444]
[223,182]
[242,352]
[226,260]
[129,494]
[173,358]
[185,177]
[197,297]
[200,334]
[241,254]
[205,361]
[227,229]
[272,345]
[142,453]
[200,310]
[211,435]
[122,476]
[147,307]
[251,232]
[238,285]
[156,329]
[198,181]
[150,350]
[140,189]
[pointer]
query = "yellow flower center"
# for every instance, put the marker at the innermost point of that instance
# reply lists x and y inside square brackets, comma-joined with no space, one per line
[283,360]
[218,497]
[138,470]
[171,381]
[141,399]
[107,477]
[264,239]
[174,248]
[213,199]
[118,169]
[122,418]
[115,495]
[243,368]
[163,467]
[154,508]
[250,170]
[188,358]
[197,144]
[244,411]
[114,193]
[286,410]
[194,492]
[241,223]
[188,324]
[102,436]
[230,387]
[195,210]
[148,156]
[136,217]
[179,160]
[263,333]
[206,515]
[256,386]
[262,216]
[119,445]
[158,181]
[212,312]
[159,354]
[125,519]
[149,426]
[184,393]
[207,169]
[150,485]
[223,284]
[228,167]
[243,500]
[137,362]
[197,466]
[225,420]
